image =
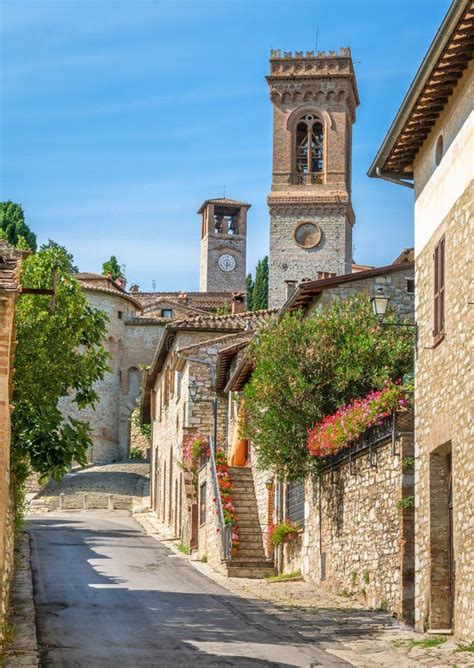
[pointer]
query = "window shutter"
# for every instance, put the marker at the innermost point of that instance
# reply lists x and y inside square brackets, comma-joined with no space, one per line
[439,288]
[436,292]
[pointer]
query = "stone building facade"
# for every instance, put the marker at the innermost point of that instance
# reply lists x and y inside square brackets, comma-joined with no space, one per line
[10,262]
[314,97]
[430,146]
[178,402]
[130,341]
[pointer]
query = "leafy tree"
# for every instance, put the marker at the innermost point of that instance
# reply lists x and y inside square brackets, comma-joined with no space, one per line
[13,226]
[53,244]
[59,352]
[260,287]
[307,367]
[249,289]
[113,267]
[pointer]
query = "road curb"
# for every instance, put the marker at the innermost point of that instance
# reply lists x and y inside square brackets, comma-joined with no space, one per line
[23,651]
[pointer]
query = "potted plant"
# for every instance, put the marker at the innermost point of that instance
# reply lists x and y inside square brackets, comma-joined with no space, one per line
[283,532]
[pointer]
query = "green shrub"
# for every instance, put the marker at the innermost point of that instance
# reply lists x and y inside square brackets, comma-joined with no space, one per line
[279,531]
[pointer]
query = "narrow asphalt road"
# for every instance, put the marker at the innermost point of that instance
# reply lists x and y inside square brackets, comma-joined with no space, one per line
[106,594]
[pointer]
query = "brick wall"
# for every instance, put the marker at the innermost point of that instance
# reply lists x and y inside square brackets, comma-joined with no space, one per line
[10,261]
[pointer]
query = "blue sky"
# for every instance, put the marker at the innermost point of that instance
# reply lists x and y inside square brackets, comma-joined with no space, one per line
[120,117]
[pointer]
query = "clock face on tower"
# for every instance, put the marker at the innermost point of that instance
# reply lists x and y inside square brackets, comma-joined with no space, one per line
[226,262]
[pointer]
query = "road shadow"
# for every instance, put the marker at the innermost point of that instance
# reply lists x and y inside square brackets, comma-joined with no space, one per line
[109,595]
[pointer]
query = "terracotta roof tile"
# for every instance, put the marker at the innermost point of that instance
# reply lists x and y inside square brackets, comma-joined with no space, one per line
[222,201]
[247,321]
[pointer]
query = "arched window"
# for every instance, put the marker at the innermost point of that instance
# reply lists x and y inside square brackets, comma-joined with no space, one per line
[309,150]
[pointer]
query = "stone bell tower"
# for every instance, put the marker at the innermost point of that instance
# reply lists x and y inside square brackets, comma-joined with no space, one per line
[223,245]
[314,98]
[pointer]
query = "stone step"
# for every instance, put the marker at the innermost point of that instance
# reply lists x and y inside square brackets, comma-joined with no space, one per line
[245,505]
[252,570]
[250,554]
[250,533]
[251,559]
[247,514]
[253,524]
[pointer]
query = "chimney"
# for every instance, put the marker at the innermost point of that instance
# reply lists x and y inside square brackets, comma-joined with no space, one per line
[134,288]
[238,302]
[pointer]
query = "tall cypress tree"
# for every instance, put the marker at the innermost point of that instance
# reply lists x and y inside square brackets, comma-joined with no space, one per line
[13,227]
[260,287]
[249,289]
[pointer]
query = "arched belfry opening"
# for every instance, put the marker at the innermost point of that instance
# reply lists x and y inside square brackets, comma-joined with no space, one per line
[309,149]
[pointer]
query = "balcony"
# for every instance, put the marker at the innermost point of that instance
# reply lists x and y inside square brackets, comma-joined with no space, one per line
[308,179]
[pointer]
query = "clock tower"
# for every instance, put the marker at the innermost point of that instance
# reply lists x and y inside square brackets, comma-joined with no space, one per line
[223,245]
[314,97]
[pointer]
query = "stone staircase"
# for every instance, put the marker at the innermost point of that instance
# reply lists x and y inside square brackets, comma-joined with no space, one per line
[250,561]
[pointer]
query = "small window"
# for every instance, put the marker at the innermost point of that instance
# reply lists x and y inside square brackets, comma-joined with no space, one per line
[439,150]
[439,290]
[295,501]
[202,503]
[166,313]
[410,286]
[120,315]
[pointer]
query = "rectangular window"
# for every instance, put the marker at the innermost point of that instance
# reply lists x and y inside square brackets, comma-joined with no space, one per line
[202,503]
[166,312]
[410,286]
[439,290]
[295,501]
[119,315]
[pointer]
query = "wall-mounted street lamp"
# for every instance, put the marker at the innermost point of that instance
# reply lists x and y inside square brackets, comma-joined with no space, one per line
[192,389]
[379,305]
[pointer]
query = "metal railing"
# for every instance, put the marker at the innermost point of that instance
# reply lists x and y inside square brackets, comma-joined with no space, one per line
[310,178]
[225,529]
[370,439]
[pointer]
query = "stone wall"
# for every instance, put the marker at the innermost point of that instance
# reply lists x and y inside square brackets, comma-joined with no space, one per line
[444,437]
[209,537]
[397,285]
[290,262]
[356,539]
[138,440]
[130,345]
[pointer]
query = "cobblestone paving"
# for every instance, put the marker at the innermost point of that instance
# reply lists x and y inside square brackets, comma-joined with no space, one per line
[126,481]
[362,637]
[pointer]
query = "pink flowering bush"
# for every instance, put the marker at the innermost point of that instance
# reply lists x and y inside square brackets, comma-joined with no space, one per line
[225,486]
[338,430]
